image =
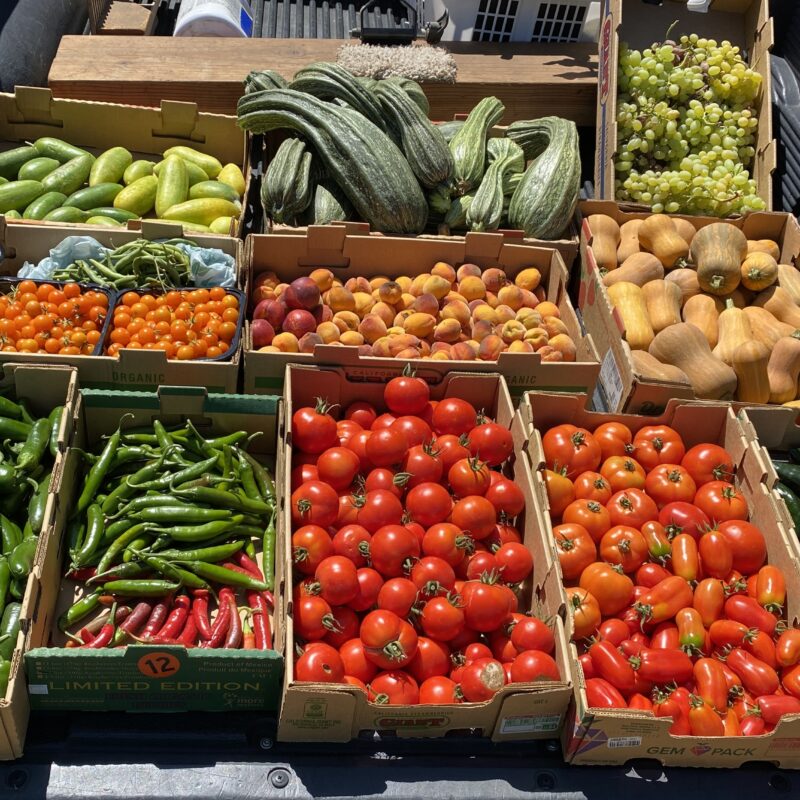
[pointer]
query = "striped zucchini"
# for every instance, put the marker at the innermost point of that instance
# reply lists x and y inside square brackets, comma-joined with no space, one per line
[423,144]
[450,129]
[545,199]
[329,204]
[327,81]
[286,189]
[500,147]
[258,81]
[486,210]
[456,217]
[439,200]
[364,162]
[414,91]
[469,144]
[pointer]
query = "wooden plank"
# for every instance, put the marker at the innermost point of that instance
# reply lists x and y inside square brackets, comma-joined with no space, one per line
[531,79]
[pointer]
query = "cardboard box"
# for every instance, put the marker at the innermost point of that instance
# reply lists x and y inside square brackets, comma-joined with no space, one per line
[134,369]
[745,23]
[43,388]
[347,255]
[614,736]
[338,713]
[619,386]
[32,112]
[146,677]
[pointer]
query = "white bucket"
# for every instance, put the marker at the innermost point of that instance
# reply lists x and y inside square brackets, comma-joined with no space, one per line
[214,18]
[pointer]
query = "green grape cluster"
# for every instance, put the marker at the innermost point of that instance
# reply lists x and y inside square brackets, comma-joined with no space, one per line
[686,127]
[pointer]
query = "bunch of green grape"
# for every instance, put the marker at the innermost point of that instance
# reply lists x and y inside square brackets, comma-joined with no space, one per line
[686,127]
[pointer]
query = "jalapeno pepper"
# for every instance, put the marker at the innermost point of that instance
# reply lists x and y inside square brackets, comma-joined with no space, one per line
[268,553]
[5,674]
[20,560]
[14,430]
[54,422]
[9,629]
[264,480]
[10,533]
[5,582]
[10,409]
[35,445]
[38,504]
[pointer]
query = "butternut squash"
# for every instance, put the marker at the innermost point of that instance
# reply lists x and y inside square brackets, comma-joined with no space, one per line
[685,280]
[640,268]
[789,279]
[764,246]
[628,239]
[779,303]
[718,251]
[605,240]
[684,346]
[734,329]
[783,369]
[658,235]
[701,311]
[766,329]
[663,301]
[650,367]
[750,363]
[685,229]
[759,270]
[628,299]
[738,297]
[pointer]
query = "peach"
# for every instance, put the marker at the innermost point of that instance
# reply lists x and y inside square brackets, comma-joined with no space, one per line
[529,317]
[440,356]
[550,354]
[426,303]
[529,299]
[493,279]
[267,278]
[529,278]
[364,303]
[437,286]
[390,292]
[444,270]
[424,348]
[365,349]
[323,278]
[408,352]
[511,296]
[447,330]
[328,332]
[359,284]
[400,318]
[270,348]
[346,321]
[481,329]
[538,337]
[468,270]
[419,324]
[512,331]
[463,352]
[554,326]
[492,299]
[472,288]
[490,348]
[340,299]
[351,338]
[286,343]
[385,312]
[564,344]
[396,330]
[548,309]
[260,293]
[453,296]
[440,347]
[372,328]
[381,348]
[406,301]
[541,294]
[308,342]
[484,312]
[378,281]
[401,342]
[518,346]
[418,283]
[504,314]
[404,282]
[458,311]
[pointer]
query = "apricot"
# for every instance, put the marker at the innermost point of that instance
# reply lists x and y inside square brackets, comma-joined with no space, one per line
[364,303]
[323,278]
[418,283]
[548,309]
[554,326]
[346,320]
[484,312]
[404,282]
[286,343]
[529,278]
[444,270]
[458,311]
[400,318]
[419,324]
[468,270]
[564,344]
[518,346]
[529,317]
[538,337]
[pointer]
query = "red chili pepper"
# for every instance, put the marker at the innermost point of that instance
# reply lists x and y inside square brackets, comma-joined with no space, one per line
[156,621]
[234,637]
[83,574]
[261,625]
[141,612]
[85,635]
[200,613]
[103,639]
[236,568]
[270,598]
[221,622]
[245,562]
[175,622]
[248,637]
[189,635]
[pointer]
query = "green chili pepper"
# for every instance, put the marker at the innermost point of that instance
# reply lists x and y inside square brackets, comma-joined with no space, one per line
[223,499]
[5,674]
[76,531]
[268,553]
[129,553]
[219,552]
[17,587]
[5,582]
[9,629]
[174,573]
[265,483]
[116,528]
[247,479]
[162,437]
[99,470]
[129,455]
[132,569]
[140,588]
[10,533]
[250,550]
[56,415]
[227,577]
[168,480]
[230,439]
[38,504]
[118,545]
[199,533]
[94,535]
[20,560]
[26,415]
[128,486]
[80,609]
[167,515]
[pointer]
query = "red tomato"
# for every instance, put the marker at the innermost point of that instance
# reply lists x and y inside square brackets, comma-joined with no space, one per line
[312,617]
[362,413]
[571,448]
[397,595]
[560,492]
[392,548]
[454,416]
[590,515]
[670,483]
[514,561]
[721,501]
[387,480]
[388,640]
[303,473]
[358,444]
[394,688]
[406,395]
[704,720]
[575,549]
[442,618]
[614,439]
[351,680]
[611,665]
[534,665]
[708,462]
[757,677]
[310,546]
[337,579]
[631,507]
[347,624]
[612,590]
[716,555]
[386,446]
[480,563]
[601,694]
[469,476]
[506,497]
[352,541]
[355,662]
[625,546]
[315,503]
[448,542]
[432,660]
[747,544]
[481,680]
[320,664]
[429,504]
[338,467]
[415,430]
[683,517]
[370,582]
[584,611]
[345,428]
[502,647]
[348,510]
[313,429]
[622,472]
[380,507]
[433,576]
[440,691]
[592,486]
[486,605]
[503,534]
[421,466]
[657,444]
[649,574]
[709,600]
[450,449]
[384,421]
[473,514]
[490,442]
[417,530]
[531,633]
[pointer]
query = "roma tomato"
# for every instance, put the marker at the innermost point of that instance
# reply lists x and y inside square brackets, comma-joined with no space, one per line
[624,546]
[315,503]
[613,630]
[370,582]
[716,555]
[709,600]
[747,544]
[707,463]
[454,416]
[429,503]
[388,640]
[450,449]
[587,667]
[380,507]
[639,702]
[790,681]
[657,444]
[514,561]
[531,633]
[486,605]
[397,595]
[571,448]
[613,590]
[355,662]
[631,507]
[589,514]
[787,648]
[320,664]
[683,517]
[440,691]
[727,633]
[393,688]
[392,548]
[601,694]
[560,492]
[432,660]
[506,497]
[757,677]
[420,465]
[448,542]
[481,680]
[670,483]
[685,557]
[575,549]
[584,611]
[761,645]
[649,574]
[352,541]
[490,442]
[468,476]
[622,472]
[665,637]
[704,720]
[663,666]
[667,705]
[747,611]
[658,542]
[442,618]
[534,665]
[730,723]
[612,666]
[474,514]
[614,439]
[665,599]
[592,486]
[338,467]
[406,394]
[752,726]
[774,706]
[432,576]
[771,588]
[691,633]
[415,430]
[338,580]
[721,501]
[310,546]
[313,429]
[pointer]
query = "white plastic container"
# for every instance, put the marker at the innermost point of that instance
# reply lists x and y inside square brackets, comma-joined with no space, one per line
[214,18]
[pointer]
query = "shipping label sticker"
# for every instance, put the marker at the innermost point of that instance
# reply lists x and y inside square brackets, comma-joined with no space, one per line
[625,741]
[530,724]
[608,392]
[159,665]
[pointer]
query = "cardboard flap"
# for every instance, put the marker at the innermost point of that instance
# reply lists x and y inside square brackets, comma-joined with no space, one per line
[32,104]
[179,121]
[483,245]
[182,401]
[150,229]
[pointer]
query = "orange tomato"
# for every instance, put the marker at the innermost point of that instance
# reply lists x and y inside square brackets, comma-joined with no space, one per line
[591,515]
